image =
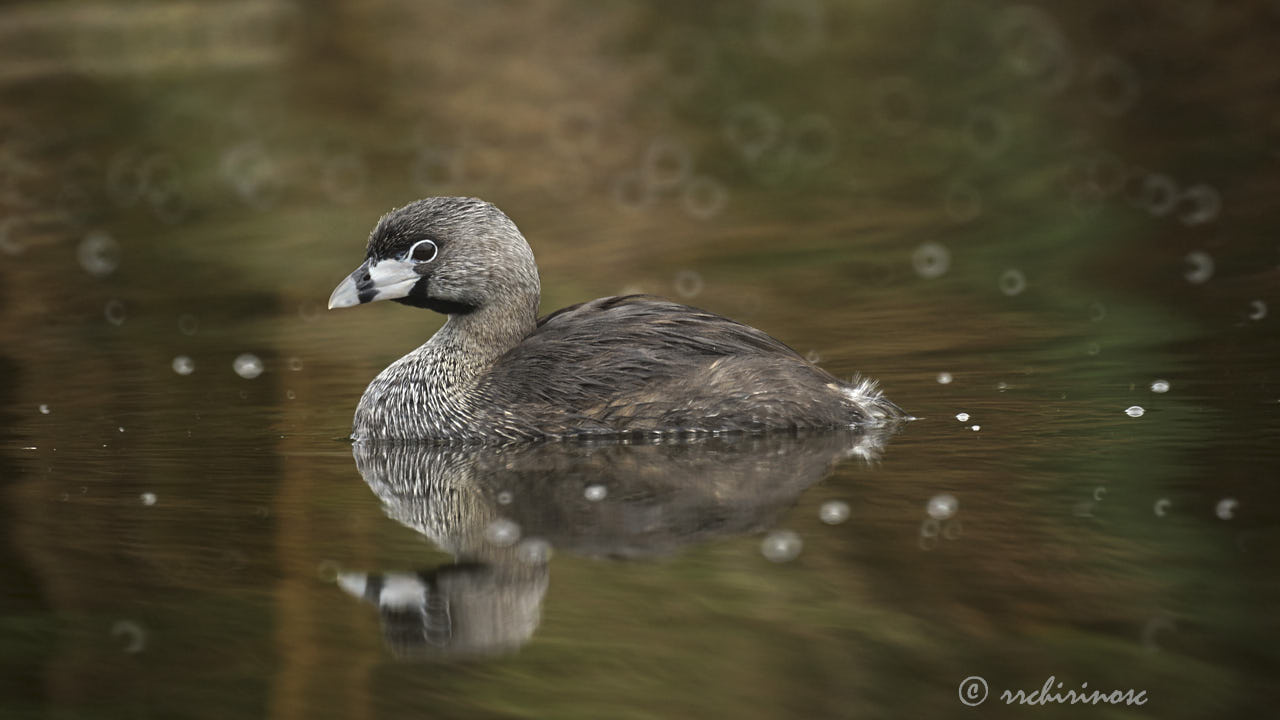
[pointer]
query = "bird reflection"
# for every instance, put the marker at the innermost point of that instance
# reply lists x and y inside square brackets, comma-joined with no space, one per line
[500,510]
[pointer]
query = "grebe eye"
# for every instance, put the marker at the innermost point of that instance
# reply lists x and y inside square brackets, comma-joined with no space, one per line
[423,251]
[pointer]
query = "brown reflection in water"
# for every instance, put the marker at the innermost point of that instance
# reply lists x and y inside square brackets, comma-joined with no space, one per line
[238,154]
[501,512]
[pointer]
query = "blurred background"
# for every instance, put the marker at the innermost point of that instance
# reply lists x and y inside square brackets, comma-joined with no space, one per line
[1055,219]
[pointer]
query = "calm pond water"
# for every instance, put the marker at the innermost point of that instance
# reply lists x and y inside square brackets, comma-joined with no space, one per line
[1049,232]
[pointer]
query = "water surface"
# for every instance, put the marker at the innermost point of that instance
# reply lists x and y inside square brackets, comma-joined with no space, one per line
[1048,232]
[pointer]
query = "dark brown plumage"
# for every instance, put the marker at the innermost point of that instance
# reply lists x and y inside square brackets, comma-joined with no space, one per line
[643,364]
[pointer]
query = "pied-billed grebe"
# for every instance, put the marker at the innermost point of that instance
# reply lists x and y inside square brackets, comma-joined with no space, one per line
[614,366]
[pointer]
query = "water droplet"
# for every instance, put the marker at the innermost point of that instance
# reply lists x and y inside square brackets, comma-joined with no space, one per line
[976,428]
[329,571]
[941,507]
[704,197]
[575,129]
[502,533]
[1200,203]
[1158,194]
[667,163]
[834,512]
[133,633]
[1086,200]
[163,189]
[944,378]
[1114,85]
[120,429]
[504,497]
[1161,508]
[898,105]
[631,192]
[1159,386]
[931,260]
[774,166]
[1097,311]
[99,253]
[115,312]
[295,364]
[1107,173]
[44,409]
[1093,348]
[188,324]
[1134,411]
[184,365]
[1012,282]
[752,129]
[986,132]
[814,141]
[963,202]
[125,179]
[534,551]
[148,498]
[790,30]
[688,283]
[595,493]
[291,395]
[1034,47]
[1098,493]
[247,366]
[781,546]
[962,417]
[252,174]
[1257,310]
[1226,508]
[930,528]
[1201,267]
